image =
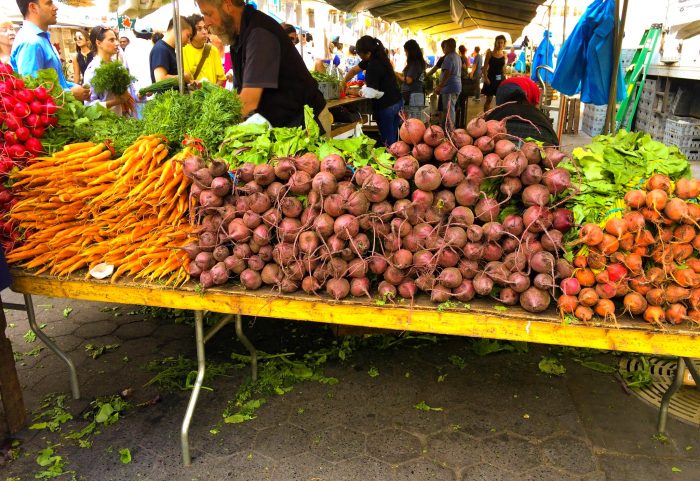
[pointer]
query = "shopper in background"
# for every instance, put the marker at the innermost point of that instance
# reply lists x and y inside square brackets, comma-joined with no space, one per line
[138,57]
[225,58]
[162,59]
[32,49]
[450,84]
[380,86]
[412,80]
[124,42]
[493,70]
[105,46]
[7,37]
[82,57]
[305,47]
[477,65]
[200,58]
[291,32]
[511,57]
[467,89]
[156,37]
[521,97]
[268,73]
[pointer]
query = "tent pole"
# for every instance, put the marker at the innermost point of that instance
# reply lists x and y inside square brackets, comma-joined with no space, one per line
[178,45]
[610,121]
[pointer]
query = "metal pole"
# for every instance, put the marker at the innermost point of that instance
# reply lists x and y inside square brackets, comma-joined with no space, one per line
[201,366]
[178,45]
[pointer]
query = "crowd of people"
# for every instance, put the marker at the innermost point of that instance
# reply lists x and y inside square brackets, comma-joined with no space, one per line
[268,64]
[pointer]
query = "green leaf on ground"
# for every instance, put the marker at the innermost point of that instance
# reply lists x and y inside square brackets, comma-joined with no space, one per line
[500,308]
[29,336]
[125,455]
[95,351]
[676,470]
[597,366]
[551,365]
[53,463]
[422,406]
[458,361]
[484,347]
[373,371]
[67,311]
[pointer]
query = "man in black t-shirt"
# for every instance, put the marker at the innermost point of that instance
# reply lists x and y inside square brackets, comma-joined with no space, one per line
[163,60]
[268,71]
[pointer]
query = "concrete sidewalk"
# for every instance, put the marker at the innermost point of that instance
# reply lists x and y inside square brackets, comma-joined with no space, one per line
[495,417]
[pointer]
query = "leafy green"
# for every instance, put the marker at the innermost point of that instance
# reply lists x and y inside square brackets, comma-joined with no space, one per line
[53,464]
[324,77]
[613,164]
[422,406]
[111,77]
[551,365]
[51,414]
[125,455]
[596,366]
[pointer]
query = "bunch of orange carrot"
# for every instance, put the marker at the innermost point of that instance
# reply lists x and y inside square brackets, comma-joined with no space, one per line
[645,263]
[79,208]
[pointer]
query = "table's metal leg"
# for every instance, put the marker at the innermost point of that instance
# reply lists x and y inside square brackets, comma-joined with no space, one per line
[201,366]
[217,327]
[75,387]
[666,399]
[249,345]
[693,371]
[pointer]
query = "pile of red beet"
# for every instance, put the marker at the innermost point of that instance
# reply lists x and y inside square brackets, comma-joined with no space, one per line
[318,225]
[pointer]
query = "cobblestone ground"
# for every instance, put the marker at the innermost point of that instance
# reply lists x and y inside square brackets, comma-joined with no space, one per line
[496,417]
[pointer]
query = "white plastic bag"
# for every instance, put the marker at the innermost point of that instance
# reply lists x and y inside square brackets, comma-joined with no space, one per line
[370,93]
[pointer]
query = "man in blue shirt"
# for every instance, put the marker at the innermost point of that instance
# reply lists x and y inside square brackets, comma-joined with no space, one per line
[32,50]
[450,84]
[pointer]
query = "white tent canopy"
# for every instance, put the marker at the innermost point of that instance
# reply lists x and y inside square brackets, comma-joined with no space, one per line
[67,15]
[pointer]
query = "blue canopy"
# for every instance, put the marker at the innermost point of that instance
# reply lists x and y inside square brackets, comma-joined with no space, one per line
[544,55]
[585,60]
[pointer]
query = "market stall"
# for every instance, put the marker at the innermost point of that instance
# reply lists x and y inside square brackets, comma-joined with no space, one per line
[470,232]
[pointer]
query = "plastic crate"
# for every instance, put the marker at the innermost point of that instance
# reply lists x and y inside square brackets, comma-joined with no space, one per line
[683,132]
[330,90]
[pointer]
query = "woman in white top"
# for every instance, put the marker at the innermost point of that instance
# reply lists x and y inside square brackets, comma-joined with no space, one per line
[106,44]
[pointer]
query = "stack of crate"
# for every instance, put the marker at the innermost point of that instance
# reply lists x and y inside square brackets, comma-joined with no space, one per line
[593,119]
[683,132]
[650,117]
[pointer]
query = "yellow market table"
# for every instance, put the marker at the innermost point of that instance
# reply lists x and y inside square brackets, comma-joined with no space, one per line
[480,320]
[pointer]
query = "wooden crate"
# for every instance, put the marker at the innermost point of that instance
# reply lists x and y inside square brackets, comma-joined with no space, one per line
[570,115]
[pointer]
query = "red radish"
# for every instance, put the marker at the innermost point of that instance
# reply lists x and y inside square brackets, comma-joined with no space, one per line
[563,220]
[359,287]
[495,128]
[334,164]
[465,291]
[487,210]
[412,131]
[451,174]
[557,180]
[514,164]
[467,194]
[531,175]
[535,194]
[616,272]
[491,164]
[428,178]
[308,163]
[570,286]
[299,183]
[338,288]
[362,174]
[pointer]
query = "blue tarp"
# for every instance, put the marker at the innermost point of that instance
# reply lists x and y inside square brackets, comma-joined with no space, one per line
[520,64]
[544,55]
[584,63]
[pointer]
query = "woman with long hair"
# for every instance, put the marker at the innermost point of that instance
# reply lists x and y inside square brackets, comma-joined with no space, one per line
[106,47]
[82,57]
[380,86]
[493,70]
[412,79]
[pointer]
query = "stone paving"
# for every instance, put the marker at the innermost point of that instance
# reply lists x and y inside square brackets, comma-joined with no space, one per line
[500,418]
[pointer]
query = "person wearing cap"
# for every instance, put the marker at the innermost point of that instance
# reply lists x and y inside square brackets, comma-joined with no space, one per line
[268,72]
[138,56]
[200,58]
[32,49]
[517,99]
[7,37]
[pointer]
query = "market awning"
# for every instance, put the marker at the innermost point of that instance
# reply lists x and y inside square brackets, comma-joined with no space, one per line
[447,17]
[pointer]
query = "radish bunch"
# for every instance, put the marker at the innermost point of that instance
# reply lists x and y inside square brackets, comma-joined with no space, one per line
[643,264]
[24,115]
[317,225]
